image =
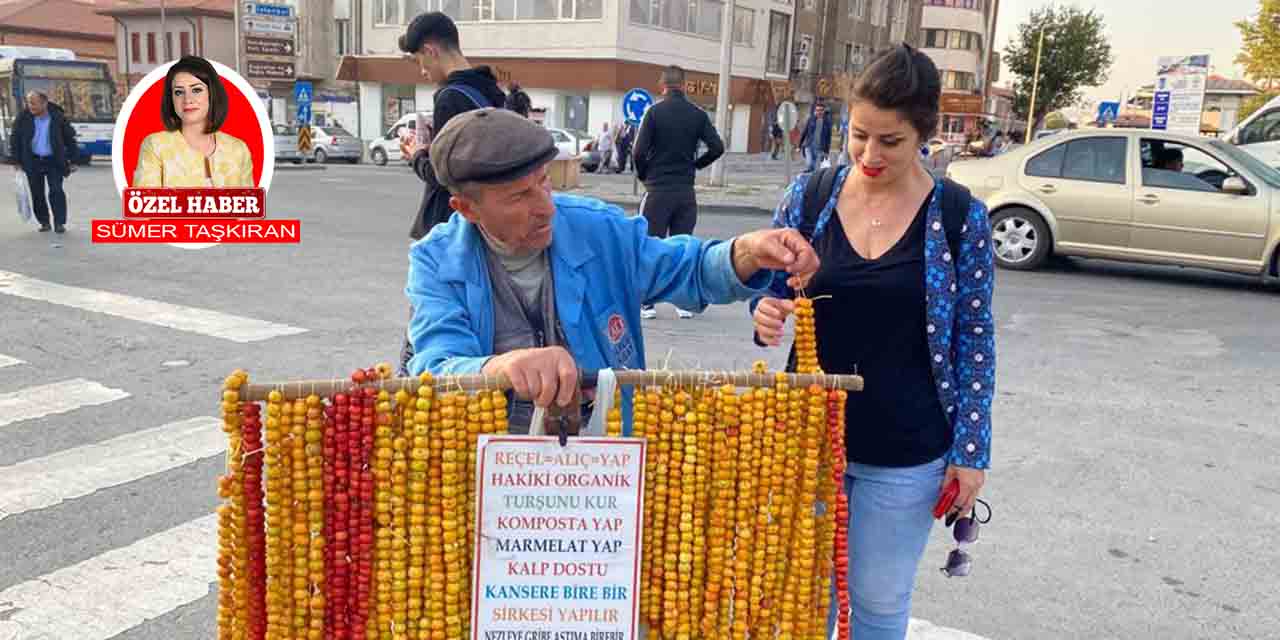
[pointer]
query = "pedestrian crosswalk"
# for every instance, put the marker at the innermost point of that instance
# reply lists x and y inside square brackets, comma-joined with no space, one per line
[183,318]
[58,397]
[47,481]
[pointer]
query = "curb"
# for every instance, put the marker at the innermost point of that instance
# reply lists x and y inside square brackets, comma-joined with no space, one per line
[306,166]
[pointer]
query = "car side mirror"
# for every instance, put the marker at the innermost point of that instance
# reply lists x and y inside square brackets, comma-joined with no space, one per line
[1235,185]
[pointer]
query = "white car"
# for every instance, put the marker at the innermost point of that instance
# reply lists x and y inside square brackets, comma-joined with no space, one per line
[1259,134]
[387,148]
[570,143]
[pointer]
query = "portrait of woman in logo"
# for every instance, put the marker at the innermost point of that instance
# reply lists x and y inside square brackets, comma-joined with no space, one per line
[192,151]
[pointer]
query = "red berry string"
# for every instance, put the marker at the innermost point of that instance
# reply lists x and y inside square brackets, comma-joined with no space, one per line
[835,421]
[255,521]
[362,533]
[330,513]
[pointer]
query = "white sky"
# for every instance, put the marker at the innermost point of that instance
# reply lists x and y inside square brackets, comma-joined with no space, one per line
[1142,30]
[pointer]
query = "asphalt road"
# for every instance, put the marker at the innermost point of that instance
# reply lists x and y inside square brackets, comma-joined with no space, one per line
[1134,479]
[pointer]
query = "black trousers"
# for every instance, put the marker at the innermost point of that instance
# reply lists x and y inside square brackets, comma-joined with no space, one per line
[45,171]
[670,213]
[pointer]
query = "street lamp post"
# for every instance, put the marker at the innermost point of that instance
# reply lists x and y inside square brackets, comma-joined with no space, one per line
[723,121]
[1035,85]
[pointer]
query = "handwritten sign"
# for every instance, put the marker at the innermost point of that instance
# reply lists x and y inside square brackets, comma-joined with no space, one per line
[558,551]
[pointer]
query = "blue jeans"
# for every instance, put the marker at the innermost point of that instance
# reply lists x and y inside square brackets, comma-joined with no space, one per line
[890,515]
[813,157]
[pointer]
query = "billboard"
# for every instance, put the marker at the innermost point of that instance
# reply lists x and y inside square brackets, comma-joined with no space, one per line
[1179,93]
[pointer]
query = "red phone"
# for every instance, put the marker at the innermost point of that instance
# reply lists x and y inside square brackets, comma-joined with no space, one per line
[946,499]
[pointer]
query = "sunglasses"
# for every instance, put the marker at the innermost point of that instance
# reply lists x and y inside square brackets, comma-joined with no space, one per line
[965,531]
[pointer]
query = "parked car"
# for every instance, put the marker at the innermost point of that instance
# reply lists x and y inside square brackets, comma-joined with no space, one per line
[334,142]
[570,142]
[387,148]
[1259,134]
[286,143]
[1102,193]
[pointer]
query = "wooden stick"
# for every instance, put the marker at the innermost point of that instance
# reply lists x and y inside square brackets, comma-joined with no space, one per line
[324,388]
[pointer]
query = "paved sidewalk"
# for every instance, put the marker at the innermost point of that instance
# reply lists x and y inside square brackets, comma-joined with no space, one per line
[755,184]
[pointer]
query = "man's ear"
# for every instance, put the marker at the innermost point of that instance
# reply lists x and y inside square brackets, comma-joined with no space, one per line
[465,206]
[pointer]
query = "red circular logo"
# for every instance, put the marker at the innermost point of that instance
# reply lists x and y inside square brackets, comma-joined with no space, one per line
[616,328]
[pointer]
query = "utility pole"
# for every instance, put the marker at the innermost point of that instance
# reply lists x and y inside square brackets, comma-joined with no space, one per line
[1035,85]
[723,121]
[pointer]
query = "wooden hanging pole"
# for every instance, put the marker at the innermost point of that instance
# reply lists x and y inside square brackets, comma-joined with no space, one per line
[303,388]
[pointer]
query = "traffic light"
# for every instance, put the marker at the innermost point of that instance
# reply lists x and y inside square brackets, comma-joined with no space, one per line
[304,139]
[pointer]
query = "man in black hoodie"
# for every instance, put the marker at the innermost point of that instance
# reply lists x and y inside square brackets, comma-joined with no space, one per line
[432,38]
[665,157]
[44,143]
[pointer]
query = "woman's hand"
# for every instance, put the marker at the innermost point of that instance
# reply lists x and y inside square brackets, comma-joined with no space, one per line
[770,319]
[971,481]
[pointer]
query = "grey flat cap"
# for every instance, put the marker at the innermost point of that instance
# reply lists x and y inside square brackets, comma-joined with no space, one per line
[489,146]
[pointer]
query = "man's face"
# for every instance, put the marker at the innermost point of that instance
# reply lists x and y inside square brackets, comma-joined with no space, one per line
[819,111]
[428,59]
[517,214]
[37,105]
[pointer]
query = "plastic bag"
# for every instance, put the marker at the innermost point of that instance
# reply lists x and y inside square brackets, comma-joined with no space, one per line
[22,192]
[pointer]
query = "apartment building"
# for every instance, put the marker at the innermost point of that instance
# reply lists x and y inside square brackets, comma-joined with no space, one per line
[576,58]
[959,35]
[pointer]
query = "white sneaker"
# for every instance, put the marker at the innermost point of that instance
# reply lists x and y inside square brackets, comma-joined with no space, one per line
[684,314]
[648,313]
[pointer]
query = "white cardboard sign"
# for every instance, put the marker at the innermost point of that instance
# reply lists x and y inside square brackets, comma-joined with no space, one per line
[559,532]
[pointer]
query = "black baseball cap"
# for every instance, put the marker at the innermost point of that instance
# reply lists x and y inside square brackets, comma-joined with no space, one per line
[432,25]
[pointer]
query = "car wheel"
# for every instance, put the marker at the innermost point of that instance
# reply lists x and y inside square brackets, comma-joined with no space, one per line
[1020,239]
[353,160]
[590,168]
[297,161]
[321,156]
[379,157]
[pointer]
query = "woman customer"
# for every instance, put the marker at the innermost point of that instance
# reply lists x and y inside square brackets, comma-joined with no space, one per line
[903,298]
[191,151]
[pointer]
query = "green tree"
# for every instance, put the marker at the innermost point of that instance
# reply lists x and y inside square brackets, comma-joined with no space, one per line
[1076,55]
[1253,103]
[1260,45]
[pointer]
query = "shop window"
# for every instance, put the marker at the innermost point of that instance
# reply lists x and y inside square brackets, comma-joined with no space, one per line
[575,111]
[135,46]
[398,100]
[151,47]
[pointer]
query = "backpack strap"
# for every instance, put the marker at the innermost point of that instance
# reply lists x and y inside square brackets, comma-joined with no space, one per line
[470,92]
[955,210]
[816,194]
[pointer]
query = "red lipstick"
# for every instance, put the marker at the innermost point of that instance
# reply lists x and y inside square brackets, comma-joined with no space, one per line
[871,172]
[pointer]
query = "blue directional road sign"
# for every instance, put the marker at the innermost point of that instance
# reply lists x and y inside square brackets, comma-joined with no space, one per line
[1160,110]
[635,103]
[1108,112]
[302,92]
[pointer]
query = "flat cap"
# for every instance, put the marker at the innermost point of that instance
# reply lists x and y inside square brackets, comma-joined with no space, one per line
[489,146]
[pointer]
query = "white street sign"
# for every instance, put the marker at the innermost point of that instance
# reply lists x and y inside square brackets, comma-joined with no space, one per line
[268,25]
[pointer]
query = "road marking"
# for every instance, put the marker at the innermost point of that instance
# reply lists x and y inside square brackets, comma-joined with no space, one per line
[45,482]
[202,321]
[111,593]
[919,629]
[8,361]
[50,399]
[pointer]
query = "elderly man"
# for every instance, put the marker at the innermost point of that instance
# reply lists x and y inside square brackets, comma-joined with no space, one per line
[44,144]
[532,286]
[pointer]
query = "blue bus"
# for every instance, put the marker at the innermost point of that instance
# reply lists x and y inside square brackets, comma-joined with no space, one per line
[82,88]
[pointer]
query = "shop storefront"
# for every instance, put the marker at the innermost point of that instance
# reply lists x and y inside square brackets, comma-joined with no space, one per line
[576,94]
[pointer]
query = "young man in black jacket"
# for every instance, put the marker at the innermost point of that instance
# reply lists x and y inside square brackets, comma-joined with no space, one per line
[432,38]
[44,144]
[665,157]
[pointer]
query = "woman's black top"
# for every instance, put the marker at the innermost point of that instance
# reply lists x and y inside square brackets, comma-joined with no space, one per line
[874,325]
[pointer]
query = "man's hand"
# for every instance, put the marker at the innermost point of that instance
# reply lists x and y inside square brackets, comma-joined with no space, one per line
[543,375]
[778,249]
[408,147]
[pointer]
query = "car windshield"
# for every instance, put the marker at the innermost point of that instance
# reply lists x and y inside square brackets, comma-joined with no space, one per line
[1259,168]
